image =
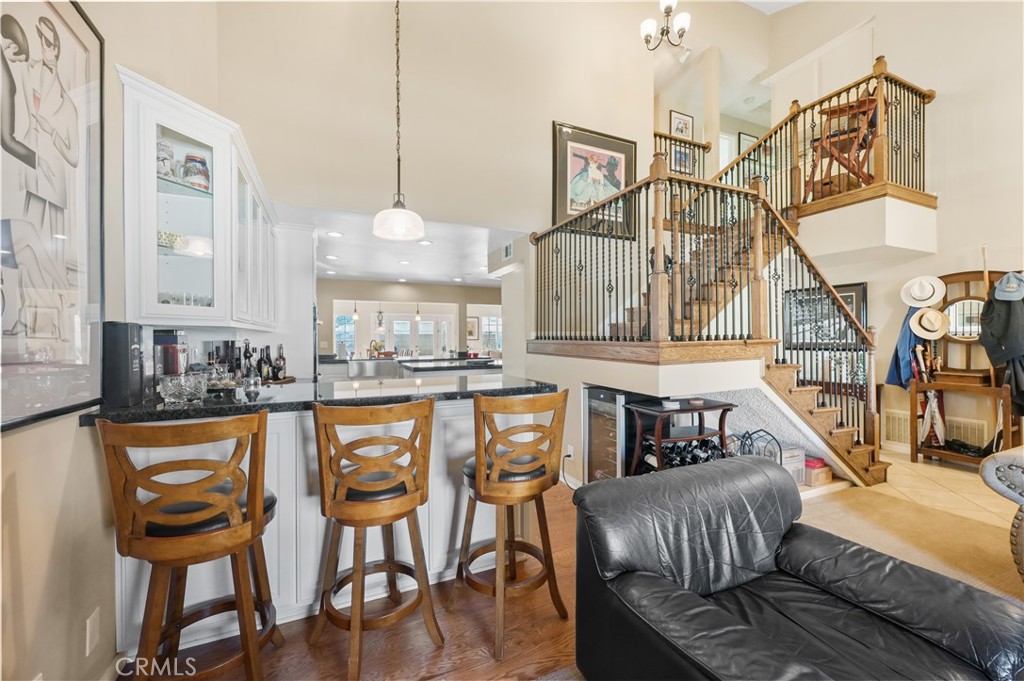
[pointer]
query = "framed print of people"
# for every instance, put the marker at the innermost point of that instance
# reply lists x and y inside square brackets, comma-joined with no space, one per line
[681,125]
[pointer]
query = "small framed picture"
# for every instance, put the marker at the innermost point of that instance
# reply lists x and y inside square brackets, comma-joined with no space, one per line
[680,125]
[472,328]
[745,142]
[682,161]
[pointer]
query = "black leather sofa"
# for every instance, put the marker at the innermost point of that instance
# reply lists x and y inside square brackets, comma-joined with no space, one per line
[701,572]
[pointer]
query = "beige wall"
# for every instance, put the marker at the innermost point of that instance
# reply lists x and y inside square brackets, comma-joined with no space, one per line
[329,290]
[312,85]
[974,138]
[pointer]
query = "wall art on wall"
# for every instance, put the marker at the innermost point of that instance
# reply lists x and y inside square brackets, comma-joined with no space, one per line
[472,328]
[812,321]
[50,210]
[680,125]
[589,167]
[745,141]
[682,161]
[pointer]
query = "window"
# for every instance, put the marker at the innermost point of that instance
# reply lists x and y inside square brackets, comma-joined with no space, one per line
[425,334]
[490,333]
[344,335]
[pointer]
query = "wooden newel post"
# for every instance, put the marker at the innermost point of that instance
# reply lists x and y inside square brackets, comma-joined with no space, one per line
[759,288]
[880,150]
[796,174]
[659,328]
[871,421]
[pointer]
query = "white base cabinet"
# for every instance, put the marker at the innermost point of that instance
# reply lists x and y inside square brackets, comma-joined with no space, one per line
[296,539]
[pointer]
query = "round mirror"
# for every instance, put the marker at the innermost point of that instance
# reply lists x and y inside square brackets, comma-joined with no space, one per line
[964,319]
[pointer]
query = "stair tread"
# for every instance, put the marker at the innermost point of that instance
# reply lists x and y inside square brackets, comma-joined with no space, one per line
[861,448]
[826,410]
[805,389]
[843,429]
[785,366]
[880,465]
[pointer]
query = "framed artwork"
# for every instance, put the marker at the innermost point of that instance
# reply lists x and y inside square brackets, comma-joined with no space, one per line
[680,125]
[811,322]
[51,211]
[682,160]
[745,141]
[472,328]
[589,167]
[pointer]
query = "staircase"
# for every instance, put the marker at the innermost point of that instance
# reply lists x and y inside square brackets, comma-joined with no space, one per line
[714,266]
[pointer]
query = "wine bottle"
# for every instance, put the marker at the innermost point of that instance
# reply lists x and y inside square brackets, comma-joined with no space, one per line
[268,366]
[261,366]
[281,364]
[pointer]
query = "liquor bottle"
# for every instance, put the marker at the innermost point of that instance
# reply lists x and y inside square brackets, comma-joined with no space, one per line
[268,366]
[261,366]
[281,364]
[247,358]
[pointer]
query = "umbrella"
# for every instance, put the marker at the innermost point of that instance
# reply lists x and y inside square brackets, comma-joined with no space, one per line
[932,421]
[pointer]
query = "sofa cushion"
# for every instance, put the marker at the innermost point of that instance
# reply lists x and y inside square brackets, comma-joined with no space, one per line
[713,641]
[982,629]
[836,636]
[707,528]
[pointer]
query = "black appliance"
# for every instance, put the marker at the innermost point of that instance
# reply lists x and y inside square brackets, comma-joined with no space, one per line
[610,433]
[122,364]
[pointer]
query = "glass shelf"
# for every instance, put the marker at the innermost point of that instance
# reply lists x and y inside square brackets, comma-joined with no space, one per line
[166,185]
[177,253]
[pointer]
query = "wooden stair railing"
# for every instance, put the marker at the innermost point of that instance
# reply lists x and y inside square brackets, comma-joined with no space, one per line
[872,129]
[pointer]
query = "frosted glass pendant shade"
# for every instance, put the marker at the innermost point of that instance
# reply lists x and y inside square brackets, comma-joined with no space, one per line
[648,28]
[681,23]
[398,224]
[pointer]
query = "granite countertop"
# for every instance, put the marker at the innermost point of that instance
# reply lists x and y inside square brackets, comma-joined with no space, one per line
[301,395]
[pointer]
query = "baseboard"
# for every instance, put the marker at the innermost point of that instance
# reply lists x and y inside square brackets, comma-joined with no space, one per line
[821,490]
[570,482]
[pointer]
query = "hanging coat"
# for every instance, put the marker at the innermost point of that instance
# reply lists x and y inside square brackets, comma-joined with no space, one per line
[1002,329]
[901,365]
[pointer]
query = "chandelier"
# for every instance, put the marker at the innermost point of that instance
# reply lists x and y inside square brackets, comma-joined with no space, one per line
[674,26]
[398,223]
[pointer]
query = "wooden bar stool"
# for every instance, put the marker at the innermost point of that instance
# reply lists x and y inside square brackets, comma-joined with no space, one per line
[173,525]
[361,489]
[508,470]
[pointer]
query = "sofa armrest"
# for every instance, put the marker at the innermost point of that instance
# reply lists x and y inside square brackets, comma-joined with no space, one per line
[710,639]
[981,628]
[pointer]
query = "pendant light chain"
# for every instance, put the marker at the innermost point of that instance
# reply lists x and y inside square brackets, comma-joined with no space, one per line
[399,199]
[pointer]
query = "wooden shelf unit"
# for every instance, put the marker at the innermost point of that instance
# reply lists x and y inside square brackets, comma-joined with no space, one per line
[984,390]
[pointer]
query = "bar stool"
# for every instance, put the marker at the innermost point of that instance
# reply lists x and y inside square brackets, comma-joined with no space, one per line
[508,470]
[173,525]
[361,490]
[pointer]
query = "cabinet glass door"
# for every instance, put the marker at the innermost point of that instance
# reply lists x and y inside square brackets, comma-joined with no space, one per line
[243,241]
[185,245]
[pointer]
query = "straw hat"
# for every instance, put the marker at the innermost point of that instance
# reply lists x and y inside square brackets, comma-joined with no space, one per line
[923,291]
[929,324]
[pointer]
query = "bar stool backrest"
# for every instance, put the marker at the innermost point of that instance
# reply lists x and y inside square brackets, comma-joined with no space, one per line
[508,450]
[348,475]
[132,514]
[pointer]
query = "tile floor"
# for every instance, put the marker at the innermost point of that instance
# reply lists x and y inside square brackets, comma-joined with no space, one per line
[952,487]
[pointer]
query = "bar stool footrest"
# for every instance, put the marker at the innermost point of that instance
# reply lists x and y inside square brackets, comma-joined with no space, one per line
[518,586]
[377,620]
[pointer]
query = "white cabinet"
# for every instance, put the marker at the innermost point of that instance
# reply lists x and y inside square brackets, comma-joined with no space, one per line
[198,225]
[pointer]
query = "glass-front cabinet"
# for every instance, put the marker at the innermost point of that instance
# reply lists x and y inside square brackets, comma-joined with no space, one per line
[198,230]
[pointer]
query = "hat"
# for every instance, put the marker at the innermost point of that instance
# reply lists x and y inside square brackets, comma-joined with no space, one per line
[1010,287]
[923,291]
[929,324]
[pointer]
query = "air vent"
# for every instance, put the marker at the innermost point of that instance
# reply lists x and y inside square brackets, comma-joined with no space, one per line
[896,430]
[970,431]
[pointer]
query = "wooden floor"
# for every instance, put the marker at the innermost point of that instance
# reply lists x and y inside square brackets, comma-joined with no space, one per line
[537,641]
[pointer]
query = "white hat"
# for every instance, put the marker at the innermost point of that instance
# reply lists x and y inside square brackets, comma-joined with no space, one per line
[929,324]
[923,291]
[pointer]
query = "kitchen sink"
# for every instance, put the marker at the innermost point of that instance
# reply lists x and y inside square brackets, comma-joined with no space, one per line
[373,368]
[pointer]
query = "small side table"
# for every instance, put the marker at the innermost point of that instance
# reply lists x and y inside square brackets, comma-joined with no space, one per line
[661,434]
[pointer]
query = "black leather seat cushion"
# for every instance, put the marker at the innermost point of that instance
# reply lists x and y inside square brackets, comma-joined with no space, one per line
[840,638]
[469,470]
[217,522]
[378,495]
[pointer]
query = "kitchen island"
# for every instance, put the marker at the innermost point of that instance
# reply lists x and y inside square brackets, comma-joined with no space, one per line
[296,538]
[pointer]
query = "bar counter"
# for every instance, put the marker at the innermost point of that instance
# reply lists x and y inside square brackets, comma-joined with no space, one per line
[301,395]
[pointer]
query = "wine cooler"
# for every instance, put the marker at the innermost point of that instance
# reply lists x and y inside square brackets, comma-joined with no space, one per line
[610,432]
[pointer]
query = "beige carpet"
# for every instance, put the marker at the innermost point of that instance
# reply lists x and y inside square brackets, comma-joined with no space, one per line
[973,552]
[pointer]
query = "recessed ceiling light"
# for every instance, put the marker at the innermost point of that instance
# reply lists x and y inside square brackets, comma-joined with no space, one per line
[403,262]
[331,272]
[60,236]
[335,234]
[457,279]
[425,242]
[402,281]
[331,257]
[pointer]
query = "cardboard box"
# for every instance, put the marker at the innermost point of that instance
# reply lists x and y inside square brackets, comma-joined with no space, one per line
[793,462]
[816,473]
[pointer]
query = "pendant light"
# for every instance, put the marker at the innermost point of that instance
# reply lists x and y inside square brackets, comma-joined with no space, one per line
[380,319]
[417,311]
[355,311]
[398,223]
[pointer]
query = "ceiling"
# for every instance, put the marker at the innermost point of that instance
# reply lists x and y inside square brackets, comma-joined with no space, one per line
[771,7]
[455,251]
